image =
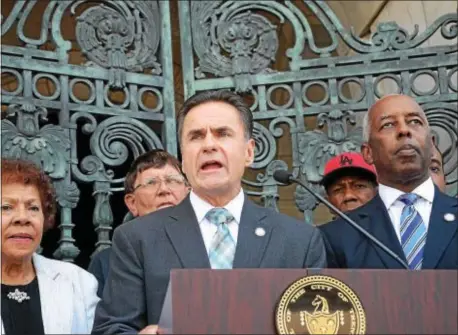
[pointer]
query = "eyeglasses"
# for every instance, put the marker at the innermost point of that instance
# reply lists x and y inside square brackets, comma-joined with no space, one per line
[171,182]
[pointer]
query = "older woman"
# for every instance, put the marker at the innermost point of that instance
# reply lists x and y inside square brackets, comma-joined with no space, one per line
[39,295]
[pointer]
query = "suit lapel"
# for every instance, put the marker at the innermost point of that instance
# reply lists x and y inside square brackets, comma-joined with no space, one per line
[251,247]
[56,297]
[440,231]
[377,221]
[185,236]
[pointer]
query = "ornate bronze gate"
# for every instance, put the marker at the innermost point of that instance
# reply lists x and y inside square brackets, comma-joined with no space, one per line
[117,103]
[235,43]
[92,85]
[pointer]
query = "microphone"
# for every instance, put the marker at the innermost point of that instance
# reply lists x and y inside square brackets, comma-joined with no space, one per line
[285,177]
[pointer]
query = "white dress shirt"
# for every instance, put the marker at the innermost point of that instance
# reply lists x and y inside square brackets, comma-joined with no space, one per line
[208,229]
[394,206]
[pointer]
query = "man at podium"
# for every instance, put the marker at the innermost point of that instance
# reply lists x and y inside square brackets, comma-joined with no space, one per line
[409,215]
[216,226]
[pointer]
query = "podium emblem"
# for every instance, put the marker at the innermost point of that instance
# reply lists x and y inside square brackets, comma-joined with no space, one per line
[320,305]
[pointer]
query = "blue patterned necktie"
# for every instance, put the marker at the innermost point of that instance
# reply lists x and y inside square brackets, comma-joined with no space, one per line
[413,232]
[222,248]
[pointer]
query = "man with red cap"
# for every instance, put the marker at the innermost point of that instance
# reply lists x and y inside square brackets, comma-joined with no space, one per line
[349,181]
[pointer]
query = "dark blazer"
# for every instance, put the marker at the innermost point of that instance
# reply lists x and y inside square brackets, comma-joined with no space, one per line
[147,248]
[348,248]
[100,262]
[99,268]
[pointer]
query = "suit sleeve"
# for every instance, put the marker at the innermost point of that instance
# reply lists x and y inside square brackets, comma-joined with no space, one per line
[331,255]
[95,267]
[316,253]
[123,308]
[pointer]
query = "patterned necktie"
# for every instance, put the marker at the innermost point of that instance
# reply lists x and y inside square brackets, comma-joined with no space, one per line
[413,232]
[222,248]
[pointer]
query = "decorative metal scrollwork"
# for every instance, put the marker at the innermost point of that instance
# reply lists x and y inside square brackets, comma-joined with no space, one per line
[290,95]
[230,40]
[269,195]
[120,36]
[111,143]
[305,201]
[390,36]
[48,147]
[91,136]
[265,146]
[443,120]
[317,147]
[102,217]
[115,137]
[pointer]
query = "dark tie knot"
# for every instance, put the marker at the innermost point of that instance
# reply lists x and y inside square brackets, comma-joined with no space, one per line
[219,216]
[409,198]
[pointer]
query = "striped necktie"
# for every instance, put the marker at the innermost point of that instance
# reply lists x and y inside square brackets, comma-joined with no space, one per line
[413,232]
[222,248]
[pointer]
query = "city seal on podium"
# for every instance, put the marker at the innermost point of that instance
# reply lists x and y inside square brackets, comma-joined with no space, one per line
[320,304]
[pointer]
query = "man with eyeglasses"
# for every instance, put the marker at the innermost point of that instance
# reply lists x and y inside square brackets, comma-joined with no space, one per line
[154,181]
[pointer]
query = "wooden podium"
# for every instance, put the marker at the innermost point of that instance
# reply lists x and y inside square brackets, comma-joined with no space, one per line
[243,301]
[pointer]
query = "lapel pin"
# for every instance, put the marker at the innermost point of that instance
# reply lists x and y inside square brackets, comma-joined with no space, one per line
[449,217]
[260,231]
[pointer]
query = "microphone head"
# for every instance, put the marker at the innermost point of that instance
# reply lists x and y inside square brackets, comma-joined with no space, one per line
[283,176]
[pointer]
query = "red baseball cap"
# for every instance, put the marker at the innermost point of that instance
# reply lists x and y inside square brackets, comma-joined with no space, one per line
[346,163]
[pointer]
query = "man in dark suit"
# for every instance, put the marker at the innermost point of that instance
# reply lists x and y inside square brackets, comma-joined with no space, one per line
[100,262]
[410,215]
[216,226]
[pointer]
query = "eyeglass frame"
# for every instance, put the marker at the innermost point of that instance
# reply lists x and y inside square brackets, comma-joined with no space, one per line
[162,180]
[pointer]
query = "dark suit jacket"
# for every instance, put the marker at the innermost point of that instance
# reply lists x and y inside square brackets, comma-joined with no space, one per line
[348,248]
[147,248]
[100,262]
[99,268]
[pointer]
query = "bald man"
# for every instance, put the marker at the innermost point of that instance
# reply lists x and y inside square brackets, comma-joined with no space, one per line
[410,215]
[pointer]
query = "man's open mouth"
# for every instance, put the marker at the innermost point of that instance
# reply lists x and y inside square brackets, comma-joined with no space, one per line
[211,165]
